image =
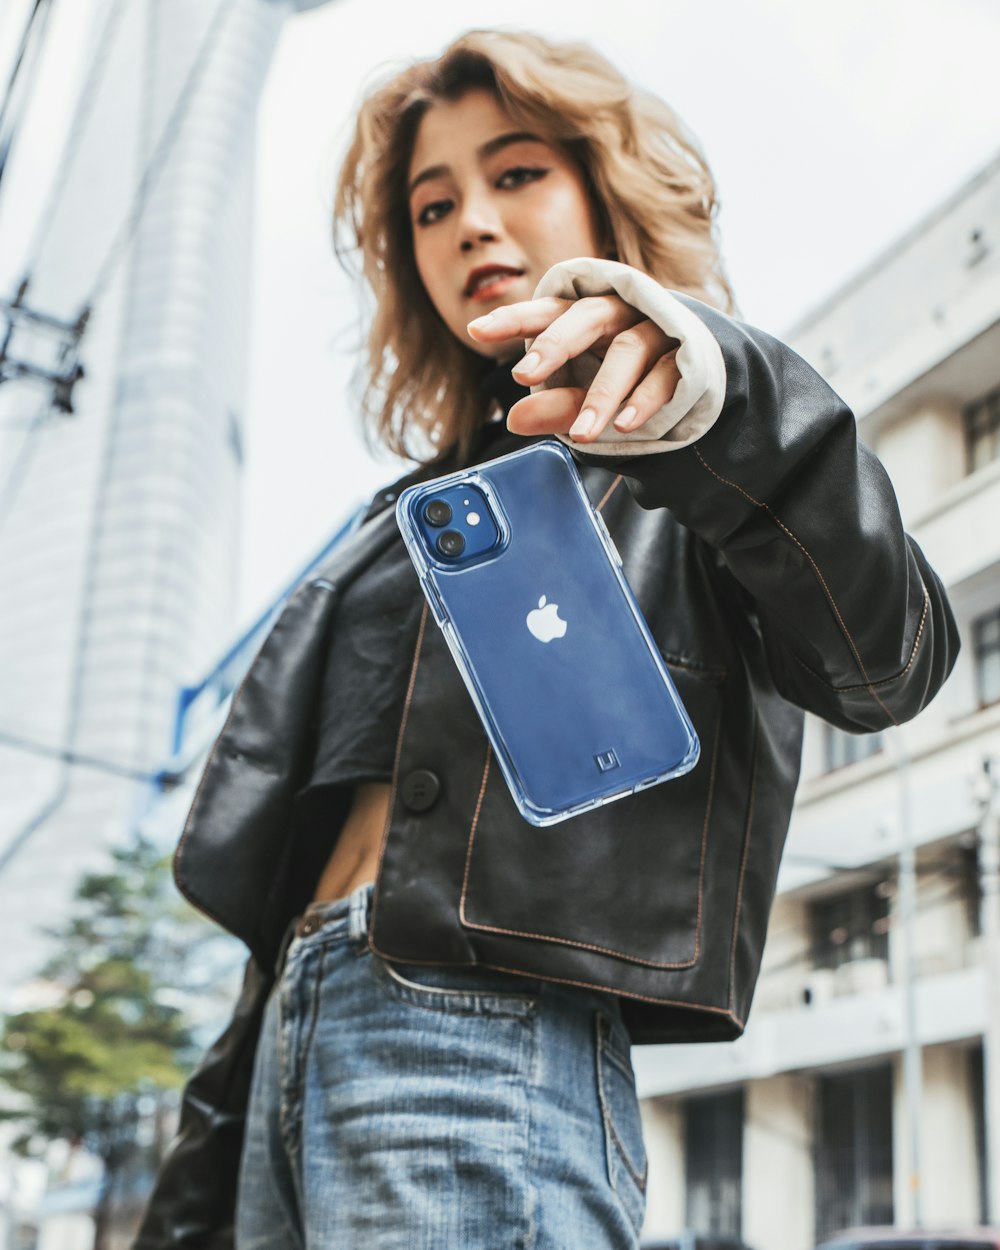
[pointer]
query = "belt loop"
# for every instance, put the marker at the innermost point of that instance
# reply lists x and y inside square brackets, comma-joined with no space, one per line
[358,913]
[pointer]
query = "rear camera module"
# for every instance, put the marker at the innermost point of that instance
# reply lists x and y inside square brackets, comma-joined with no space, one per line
[451,543]
[437,512]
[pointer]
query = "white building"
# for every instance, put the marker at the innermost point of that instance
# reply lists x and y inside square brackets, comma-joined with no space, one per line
[119,523]
[801,1126]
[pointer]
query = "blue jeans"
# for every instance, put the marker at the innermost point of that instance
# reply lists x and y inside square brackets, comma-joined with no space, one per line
[413,1108]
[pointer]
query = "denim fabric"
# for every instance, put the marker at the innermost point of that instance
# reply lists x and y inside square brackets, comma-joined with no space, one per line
[408,1108]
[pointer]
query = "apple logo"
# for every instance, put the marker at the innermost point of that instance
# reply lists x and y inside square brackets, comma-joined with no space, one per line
[544,622]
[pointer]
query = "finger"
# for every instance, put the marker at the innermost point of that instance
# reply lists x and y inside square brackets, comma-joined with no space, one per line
[547,412]
[560,328]
[656,389]
[587,323]
[630,357]
[522,320]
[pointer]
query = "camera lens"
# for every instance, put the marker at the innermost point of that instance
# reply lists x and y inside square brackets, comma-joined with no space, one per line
[451,543]
[437,512]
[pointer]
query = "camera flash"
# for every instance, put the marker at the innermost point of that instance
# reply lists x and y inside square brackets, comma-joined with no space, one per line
[473,518]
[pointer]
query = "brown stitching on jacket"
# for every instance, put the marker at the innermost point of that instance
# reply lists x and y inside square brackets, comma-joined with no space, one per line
[704,838]
[886,681]
[472,831]
[743,865]
[609,492]
[395,764]
[646,998]
[868,684]
[545,976]
[575,942]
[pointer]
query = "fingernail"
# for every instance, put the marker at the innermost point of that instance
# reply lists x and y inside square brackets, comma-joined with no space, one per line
[584,423]
[527,364]
[625,419]
[484,320]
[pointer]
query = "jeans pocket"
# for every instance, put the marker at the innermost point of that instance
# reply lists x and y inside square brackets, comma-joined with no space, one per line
[458,990]
[626,1151]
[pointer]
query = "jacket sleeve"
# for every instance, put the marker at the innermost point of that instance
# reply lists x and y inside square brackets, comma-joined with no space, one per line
[193,1203]
[855,622]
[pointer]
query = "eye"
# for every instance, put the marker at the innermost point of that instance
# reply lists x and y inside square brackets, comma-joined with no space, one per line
[519,175]
[430,213]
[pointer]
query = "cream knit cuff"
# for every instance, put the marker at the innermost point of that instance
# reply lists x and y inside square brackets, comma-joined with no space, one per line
[700,393]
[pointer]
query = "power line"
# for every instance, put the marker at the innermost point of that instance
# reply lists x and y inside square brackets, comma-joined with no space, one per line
[158,159]
[16,310]
[64,381]
[18,472]
[81,117]
[808,956]
[22,423]
[13,101]
[125,771]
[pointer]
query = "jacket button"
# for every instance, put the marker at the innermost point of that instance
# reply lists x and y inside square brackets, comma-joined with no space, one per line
[420,790]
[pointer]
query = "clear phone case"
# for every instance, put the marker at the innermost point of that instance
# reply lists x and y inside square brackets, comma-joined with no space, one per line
[523,579]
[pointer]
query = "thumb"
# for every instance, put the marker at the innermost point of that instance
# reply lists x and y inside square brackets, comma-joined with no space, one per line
[546,412]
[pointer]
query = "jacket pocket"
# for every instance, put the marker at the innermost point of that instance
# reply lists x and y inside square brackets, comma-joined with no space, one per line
[626,880]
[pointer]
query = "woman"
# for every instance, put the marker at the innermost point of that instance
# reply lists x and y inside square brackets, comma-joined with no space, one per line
[444,1059]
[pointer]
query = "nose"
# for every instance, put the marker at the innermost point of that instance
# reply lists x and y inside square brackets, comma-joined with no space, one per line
[479,223]
[483,236]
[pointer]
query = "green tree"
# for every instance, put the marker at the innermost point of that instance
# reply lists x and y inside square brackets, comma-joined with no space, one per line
[117,1031]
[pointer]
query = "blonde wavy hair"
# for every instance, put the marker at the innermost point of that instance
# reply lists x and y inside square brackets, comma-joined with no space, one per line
[652,191]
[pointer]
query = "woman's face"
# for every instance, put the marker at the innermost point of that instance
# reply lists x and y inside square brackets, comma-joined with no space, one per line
[492,208]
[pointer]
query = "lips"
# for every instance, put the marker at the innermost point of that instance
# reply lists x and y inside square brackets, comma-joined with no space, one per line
[485,275]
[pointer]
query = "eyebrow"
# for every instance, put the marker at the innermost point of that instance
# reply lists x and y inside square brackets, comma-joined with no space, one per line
[488,149]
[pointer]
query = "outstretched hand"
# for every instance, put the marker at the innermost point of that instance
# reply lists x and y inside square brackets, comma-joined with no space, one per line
[637,376]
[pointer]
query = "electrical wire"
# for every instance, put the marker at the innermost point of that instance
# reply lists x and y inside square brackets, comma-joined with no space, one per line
[96,527]
[81,117]
[807,957]
[154,166]
[158,160]
[81,759]
[13,101]
[17,473]
[22,423]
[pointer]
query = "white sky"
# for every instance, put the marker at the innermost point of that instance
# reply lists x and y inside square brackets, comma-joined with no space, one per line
[831,129]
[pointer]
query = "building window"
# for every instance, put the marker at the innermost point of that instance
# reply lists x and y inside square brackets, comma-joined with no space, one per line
[854,1150]
[982,423]
[713,1164]
[841,748]
[986,656]
[850,926]
[968,872]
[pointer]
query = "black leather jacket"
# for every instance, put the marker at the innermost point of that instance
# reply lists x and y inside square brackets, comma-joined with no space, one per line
[770,562]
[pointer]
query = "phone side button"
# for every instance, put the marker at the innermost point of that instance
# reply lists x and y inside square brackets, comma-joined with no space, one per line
[432,598]
[608,539]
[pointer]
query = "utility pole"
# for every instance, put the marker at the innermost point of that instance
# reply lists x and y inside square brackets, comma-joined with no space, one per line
[989,923]
[912,1054]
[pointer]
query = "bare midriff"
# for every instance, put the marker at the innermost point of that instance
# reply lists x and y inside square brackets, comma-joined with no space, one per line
[354,859]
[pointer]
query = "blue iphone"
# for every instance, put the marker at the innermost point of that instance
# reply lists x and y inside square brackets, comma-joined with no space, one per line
[525,582]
